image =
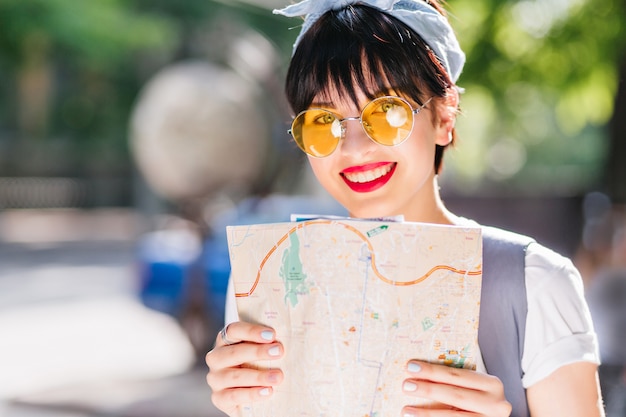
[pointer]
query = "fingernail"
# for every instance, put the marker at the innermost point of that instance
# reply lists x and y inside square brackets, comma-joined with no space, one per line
[413,367]
[409,386]
[267,335]
[272,378]
[408,415]
[274,351]
[264,392]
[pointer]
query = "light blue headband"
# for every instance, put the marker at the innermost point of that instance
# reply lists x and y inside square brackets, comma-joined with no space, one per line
[417,14]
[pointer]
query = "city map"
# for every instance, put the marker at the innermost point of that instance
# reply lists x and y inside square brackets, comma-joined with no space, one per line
[352,301]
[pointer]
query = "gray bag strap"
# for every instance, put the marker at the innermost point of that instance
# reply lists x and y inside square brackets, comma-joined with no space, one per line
[503,310]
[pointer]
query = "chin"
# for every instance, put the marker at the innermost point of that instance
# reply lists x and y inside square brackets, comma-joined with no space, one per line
[369,212]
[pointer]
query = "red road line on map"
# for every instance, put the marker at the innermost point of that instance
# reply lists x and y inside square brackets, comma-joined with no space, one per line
[369,245]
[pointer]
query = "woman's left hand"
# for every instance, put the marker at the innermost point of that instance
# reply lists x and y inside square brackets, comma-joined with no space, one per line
[456,392]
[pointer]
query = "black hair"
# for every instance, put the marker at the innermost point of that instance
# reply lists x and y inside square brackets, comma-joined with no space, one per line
[362,49]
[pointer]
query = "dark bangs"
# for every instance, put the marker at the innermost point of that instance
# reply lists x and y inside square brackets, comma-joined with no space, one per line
[361,49]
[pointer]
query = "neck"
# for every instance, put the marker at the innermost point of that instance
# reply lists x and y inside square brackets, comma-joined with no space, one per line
[430,208]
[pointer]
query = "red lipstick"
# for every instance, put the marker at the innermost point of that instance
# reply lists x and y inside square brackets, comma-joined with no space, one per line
[368,186]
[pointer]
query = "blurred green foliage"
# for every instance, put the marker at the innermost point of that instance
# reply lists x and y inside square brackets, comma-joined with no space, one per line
[540,82]
[540,79]
[70,71]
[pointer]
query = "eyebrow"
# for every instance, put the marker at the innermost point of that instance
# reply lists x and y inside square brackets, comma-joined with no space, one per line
[321,104]
[379,93]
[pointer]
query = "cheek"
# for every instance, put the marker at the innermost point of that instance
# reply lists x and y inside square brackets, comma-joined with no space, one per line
[321,169]
[423,141]
[415,148]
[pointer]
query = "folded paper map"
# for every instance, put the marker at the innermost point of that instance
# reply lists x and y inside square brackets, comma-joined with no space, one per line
[352,301]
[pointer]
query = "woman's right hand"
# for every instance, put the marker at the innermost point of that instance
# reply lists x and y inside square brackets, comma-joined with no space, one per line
[233,381]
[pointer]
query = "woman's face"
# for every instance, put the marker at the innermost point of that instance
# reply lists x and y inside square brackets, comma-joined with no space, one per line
[373,180]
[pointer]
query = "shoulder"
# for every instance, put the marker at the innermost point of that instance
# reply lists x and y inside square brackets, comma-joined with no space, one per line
[546,269]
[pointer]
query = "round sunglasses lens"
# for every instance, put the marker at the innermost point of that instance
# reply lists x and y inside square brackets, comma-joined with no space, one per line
[388,120]
[317,132]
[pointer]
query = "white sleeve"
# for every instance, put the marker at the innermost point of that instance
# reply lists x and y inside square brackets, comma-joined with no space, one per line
[230,313]
[559,330]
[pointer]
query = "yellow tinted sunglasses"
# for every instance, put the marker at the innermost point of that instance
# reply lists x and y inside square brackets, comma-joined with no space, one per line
[386,120]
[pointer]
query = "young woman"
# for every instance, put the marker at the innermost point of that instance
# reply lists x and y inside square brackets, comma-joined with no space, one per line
[372,84]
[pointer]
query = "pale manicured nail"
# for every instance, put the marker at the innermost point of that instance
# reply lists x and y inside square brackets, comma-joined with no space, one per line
[267,335]
[264,392]
[408,415]
[409,386]
[274,351]
[413,367]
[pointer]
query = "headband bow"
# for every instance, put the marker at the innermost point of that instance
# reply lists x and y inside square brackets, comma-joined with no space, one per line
[417,14]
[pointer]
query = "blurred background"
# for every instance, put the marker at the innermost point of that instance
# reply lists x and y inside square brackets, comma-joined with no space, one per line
[132,132]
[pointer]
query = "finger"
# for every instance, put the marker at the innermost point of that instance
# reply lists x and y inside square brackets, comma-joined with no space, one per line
[459,388]
[240,331]
[227,356]
[436,412]
[228,400]
[453,376]
[443,410]
[243,378]
[451,396]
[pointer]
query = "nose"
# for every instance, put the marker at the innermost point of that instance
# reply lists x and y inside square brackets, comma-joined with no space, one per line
[355,140]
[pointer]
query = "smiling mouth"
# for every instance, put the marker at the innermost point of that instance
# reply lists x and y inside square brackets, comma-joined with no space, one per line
[369,180]
[368,176]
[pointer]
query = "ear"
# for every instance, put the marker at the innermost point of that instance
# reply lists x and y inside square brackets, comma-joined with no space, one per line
[447,109]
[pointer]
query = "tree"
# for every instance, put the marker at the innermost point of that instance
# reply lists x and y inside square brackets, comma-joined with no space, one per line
[540,79]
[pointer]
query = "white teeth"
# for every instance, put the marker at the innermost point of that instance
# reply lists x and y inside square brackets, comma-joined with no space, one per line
[368,176]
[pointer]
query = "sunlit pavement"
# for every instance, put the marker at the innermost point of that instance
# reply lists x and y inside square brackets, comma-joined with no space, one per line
[74,339]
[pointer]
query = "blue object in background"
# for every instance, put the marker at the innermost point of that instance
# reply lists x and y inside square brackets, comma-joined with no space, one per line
[167,260]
